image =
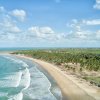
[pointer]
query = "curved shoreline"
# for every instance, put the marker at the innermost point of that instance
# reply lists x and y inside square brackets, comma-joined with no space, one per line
[64,82]
[54,88]
[52,82]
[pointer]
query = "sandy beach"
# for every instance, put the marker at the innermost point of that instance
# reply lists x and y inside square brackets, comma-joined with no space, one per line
[70,87]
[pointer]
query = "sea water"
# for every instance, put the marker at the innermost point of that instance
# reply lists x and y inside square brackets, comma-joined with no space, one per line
[21,79]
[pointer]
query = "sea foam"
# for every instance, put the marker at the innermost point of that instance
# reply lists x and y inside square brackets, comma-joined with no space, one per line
[19,79]
[25,79]
[11,80]
[17,61]
[16,97]
[35,87]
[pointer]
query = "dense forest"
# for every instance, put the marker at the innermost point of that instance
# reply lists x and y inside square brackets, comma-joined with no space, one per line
[87,58]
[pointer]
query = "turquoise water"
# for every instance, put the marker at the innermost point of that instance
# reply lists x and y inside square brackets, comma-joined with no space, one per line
[21,79]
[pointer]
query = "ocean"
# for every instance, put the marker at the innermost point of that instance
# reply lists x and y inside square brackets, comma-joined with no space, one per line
[22,79]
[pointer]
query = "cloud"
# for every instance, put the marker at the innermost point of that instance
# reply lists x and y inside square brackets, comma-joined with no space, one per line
[20,14]
[85,35]
[40,32]
[46,30]
[92,22]
[9,26]
[98,34]
[44,33]
[7,23]
[14,29]
[97,5]
[79,29]
[10,30]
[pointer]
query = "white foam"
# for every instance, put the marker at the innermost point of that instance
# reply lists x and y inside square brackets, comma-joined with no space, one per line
[16,97]
[53,97]
[3,94]
[11,80]
[41,86]
[16,79]
[17,61]
[41,82]
[25,79]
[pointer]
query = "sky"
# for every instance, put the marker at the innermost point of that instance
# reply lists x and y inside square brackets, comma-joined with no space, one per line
[49,23]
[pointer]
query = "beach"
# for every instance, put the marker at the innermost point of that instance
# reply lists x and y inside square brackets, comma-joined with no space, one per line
[71,89]
[24,80]
[50,50]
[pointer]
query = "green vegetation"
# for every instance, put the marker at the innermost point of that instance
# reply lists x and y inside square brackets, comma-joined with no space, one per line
[93,80]
[87,58]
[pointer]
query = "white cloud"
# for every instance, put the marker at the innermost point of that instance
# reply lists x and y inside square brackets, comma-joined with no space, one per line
[86,35]
[97,5]
[75,23]
[14,29]
[45,33]
[46,30]
[92,22]
[8,25]
[98,34]
[41,30]
[20,14]
[79,29]
[11,36]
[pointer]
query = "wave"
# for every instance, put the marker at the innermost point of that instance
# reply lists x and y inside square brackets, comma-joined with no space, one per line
[49,88]
[25,79]
[3,94]
[19,79]
[11,80]
[16,97]
[16,61]
[23,87]
[40,86]
[23,83]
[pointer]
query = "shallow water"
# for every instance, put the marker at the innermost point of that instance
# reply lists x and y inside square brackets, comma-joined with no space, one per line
[21,79]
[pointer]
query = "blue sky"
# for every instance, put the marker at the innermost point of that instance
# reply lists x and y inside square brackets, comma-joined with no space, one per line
[49,23]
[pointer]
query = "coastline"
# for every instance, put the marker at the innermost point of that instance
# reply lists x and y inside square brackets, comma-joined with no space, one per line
[66,83]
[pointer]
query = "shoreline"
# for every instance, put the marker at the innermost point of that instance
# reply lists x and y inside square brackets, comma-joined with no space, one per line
[66,83]
[54,84]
